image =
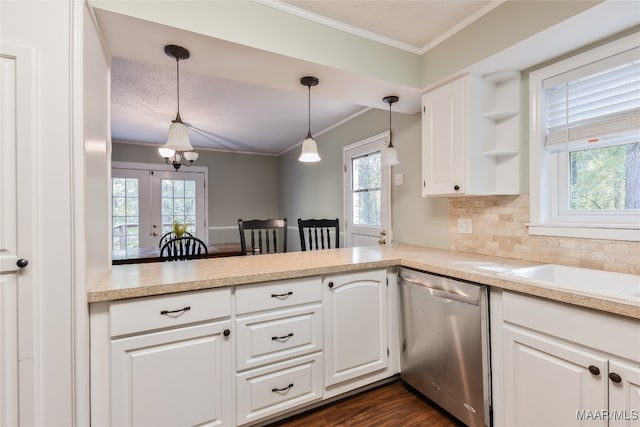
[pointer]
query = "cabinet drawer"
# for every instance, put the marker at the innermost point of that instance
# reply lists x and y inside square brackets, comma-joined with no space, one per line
[274,389]
[165,311]
[278,335]
[267,296]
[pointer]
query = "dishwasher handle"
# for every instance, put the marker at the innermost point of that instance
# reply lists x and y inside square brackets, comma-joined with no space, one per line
[467,299]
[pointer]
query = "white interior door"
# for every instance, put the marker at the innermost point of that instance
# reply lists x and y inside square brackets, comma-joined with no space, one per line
[367,193]
[16,247]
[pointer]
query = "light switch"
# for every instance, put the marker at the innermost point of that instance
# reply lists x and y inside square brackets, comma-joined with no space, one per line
[465,226]
[398,179]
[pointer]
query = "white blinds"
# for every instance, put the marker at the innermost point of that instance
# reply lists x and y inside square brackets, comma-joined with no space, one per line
[591,104]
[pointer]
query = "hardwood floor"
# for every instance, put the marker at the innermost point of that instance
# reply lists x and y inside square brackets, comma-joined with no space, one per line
[390,405]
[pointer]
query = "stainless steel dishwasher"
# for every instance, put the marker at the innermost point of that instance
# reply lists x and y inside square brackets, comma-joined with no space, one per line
[445,343]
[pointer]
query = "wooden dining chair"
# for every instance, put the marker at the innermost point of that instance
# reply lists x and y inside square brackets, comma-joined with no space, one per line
[171,235]
[183,248]
[264,236]
[316,233]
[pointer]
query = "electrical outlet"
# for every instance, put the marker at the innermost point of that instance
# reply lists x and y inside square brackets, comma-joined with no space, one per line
[465,226]
[398,179]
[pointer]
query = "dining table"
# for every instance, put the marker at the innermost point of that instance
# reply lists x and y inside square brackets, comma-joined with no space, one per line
[142,255]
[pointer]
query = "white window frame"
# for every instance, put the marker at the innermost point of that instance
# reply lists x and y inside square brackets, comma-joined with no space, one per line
[546,167]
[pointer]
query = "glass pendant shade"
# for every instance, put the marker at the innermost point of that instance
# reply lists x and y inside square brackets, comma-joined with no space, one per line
[191,156]
[166,152]
[309,151]
[178,137]
[390,156]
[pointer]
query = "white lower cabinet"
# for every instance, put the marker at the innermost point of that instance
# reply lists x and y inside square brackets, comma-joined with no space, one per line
[548,382]
[278,348]
[163,361]
[277,388]
[243,355]
[560,365]
[355,325]
[170,378]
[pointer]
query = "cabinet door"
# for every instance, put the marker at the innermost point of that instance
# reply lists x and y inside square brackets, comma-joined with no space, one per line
[549,383]
[175,377]
[443,140]
[355,325]
[624,394]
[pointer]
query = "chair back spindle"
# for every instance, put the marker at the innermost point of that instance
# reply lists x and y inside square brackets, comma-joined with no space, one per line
[266,232]
[318,233]
[183,248]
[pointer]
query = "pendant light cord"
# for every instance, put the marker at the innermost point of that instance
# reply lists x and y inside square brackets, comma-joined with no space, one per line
[309,111]
[390,139]
[178,118]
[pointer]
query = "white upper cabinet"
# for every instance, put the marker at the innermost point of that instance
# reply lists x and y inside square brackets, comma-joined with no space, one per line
[471,136]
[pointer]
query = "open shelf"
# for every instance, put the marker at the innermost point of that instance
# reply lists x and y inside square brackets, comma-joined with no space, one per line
[500,153]
[500,115]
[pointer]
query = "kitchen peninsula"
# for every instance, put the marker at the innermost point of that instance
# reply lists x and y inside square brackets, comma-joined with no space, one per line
[250,339]
[138,280]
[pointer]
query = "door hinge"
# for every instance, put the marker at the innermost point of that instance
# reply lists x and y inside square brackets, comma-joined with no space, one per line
[387,351]
[387,281]
[345,168]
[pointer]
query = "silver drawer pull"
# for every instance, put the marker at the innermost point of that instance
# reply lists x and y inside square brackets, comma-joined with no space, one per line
[283,296]
[280,390]
[182,310]
[284,337]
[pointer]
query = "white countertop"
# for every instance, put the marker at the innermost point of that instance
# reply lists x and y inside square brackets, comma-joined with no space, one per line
[139,280]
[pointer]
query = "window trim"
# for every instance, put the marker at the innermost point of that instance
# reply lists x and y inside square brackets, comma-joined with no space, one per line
[544,165]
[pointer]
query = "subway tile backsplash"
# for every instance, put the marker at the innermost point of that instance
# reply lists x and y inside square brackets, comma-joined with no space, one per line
[499,229]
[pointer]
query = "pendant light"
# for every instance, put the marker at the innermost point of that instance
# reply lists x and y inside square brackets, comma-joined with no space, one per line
[390,155]
[309,147]
[177,151]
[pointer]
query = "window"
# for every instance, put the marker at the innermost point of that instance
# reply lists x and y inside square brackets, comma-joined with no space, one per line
[366,189]
[178,203]
[585,144]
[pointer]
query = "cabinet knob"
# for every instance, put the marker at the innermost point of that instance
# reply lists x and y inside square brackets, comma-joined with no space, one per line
[226,332]
[456,187]
[331,284]
[615,377]
[594,370]
[22,263]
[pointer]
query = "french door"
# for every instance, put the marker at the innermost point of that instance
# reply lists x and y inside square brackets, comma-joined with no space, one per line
[367,193]
[147,202]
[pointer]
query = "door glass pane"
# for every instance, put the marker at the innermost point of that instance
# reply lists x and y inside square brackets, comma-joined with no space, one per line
[125,217]
[178,204]
[366,188]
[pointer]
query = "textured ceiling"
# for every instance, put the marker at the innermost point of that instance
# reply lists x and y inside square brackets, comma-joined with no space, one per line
[221,114]
[262,109]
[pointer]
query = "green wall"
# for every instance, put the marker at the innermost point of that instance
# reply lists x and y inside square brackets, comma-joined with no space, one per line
[314,190]
[240,185]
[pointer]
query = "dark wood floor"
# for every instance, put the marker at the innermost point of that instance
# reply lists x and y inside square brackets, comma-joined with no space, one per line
[390,405]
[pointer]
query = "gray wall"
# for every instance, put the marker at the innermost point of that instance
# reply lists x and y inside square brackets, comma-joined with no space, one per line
[314,190]
[240,185]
